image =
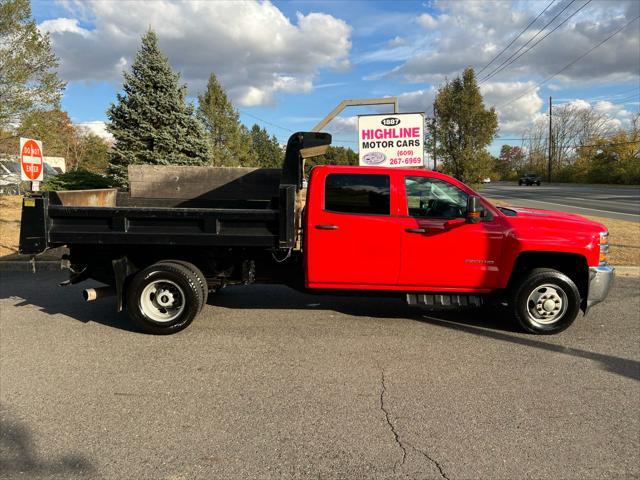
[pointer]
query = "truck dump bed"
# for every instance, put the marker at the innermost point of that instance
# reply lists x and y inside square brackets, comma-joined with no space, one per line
[177,206]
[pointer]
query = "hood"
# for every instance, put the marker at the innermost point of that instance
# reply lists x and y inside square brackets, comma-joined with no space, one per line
[536,213]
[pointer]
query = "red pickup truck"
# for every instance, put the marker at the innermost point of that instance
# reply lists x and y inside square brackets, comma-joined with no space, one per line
[414,233]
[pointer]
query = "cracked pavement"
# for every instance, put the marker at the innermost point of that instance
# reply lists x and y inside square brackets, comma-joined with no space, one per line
[270,383]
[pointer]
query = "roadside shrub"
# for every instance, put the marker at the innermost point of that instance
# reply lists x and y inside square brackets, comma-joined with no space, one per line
[77,180]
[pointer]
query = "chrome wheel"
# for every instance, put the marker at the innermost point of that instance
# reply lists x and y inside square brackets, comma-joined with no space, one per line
[162,301]
[547,304]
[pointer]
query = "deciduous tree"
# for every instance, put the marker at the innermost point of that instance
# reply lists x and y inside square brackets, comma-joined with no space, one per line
[28,79]
[464,128]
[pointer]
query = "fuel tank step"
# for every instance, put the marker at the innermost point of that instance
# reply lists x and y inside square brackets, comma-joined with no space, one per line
[444,300]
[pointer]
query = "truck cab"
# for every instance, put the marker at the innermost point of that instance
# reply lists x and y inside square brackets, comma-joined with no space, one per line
[429,235]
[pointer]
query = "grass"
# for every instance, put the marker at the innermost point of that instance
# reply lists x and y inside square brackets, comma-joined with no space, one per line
[624,241]
[10,209]
[624,237]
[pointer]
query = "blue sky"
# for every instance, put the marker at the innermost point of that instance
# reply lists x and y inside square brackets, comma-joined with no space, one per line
[287,64]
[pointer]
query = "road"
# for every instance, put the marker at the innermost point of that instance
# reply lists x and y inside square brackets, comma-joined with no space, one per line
[270,383]
[618,202]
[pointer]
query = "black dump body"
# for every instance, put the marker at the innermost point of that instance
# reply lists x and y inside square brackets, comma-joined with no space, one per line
[224,218]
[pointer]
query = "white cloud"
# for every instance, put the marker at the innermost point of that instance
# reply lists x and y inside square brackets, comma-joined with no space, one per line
[97,127]
[343,126]
[618,116]
[513,116]
[427,21]
[462,34]
[396,41]
[255,50]
[417,101]
[63,25]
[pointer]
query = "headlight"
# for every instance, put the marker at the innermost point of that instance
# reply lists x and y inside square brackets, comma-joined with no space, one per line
[604,247]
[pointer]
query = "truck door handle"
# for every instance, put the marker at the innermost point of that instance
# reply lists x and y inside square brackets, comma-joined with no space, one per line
[416,230]
[327,227]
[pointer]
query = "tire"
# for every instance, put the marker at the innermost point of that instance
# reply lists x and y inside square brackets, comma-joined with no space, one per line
[519,184]
[545,301]
[202,281]
[164,298]
[538,184]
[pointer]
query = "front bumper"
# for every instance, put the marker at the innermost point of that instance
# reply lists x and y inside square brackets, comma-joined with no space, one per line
[600,281]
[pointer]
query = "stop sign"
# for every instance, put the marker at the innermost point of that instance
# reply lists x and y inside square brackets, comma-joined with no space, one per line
[31,159]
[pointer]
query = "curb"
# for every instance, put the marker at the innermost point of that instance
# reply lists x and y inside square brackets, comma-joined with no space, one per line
[627,271]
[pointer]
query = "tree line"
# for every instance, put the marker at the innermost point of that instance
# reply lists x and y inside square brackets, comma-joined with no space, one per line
[151,121]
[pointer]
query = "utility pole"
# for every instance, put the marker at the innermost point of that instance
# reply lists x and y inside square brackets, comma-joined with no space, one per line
[433,134]
[550,136]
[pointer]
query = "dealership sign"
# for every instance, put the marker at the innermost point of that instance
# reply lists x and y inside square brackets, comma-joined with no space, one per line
[395,140]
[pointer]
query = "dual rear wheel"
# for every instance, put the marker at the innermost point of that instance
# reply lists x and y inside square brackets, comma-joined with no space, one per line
[165,297]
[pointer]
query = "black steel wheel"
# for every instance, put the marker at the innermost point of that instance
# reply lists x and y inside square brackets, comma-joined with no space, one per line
[164,298]
[545,301]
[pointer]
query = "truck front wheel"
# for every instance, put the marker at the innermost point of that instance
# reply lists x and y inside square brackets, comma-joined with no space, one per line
[545,301]
[164,298]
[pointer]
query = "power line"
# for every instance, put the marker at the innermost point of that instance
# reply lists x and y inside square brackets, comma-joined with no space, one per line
[516,38]
[626,99]
[570,64]
[577,146]
[266,122]
[489,75]
[535,44]
[605,144]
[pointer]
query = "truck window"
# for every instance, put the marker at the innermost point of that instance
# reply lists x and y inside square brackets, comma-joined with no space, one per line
[357,193]
[433,198]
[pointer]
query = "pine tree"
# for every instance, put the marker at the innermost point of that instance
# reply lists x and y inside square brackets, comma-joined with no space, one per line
[151,122]
[228,138]
[464,128]
[267,150]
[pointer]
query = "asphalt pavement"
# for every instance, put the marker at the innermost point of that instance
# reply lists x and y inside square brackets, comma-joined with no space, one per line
[270,383]
[609,201]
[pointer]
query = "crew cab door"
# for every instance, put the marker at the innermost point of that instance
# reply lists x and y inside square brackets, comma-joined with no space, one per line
[351,239]
[440,250]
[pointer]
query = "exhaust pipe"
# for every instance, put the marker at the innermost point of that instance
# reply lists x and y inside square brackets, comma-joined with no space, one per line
[91,294]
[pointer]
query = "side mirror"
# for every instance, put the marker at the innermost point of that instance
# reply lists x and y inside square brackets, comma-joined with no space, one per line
[474,209]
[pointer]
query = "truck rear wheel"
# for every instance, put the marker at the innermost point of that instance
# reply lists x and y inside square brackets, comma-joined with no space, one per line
[164,298]
[202,281]
[545,301]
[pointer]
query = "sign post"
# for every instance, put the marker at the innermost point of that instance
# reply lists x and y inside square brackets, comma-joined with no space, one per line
[391,140]
[31,162]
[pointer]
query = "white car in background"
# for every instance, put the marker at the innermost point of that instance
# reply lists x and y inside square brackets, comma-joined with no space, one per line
[486,180]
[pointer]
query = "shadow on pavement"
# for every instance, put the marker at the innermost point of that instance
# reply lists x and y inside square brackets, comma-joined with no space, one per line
[18,455]
[483,323]
[621,366]
[41,290]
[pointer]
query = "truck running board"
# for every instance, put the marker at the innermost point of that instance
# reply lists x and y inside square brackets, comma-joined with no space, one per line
[444,300]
